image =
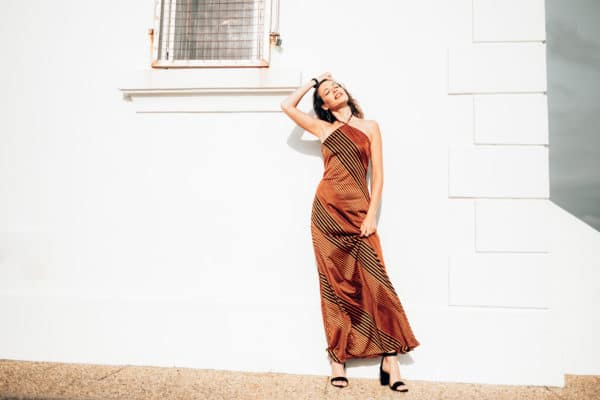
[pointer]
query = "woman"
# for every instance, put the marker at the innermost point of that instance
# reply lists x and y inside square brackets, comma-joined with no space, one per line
[362,315]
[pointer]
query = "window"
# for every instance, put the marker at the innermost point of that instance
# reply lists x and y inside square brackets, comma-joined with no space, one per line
[213,33]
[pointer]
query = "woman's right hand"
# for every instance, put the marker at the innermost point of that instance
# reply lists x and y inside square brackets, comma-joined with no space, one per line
[325,75]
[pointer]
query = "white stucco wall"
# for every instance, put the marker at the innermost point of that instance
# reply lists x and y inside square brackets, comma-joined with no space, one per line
[183,238]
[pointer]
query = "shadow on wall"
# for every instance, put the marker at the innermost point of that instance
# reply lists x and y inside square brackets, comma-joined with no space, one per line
[573,65]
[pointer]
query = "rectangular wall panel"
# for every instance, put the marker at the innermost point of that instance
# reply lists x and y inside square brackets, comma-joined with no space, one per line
[461,226]
[509,20]
[506,345]
[497,68]
[511,118]
[499,280]
[517,225]
[498,171]
[459,120]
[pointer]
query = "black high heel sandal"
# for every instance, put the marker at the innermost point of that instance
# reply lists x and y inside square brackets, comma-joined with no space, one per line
[339,379]
[384,377]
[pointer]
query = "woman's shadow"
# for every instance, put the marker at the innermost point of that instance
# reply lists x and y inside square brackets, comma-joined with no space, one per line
[311,147]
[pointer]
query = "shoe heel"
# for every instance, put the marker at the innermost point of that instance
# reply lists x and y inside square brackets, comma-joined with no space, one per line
[384,377]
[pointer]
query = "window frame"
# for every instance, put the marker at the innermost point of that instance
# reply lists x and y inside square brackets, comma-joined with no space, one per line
[219,63]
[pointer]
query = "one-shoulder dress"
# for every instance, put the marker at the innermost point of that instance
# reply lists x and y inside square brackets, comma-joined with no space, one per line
[362,314]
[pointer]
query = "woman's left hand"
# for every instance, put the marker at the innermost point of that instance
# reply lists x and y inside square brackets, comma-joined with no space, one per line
[368,226]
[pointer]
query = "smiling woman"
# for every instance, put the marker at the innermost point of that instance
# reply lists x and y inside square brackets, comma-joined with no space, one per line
[362,314]
[333,91]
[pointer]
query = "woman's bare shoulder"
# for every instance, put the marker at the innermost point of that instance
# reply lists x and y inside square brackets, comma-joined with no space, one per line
[370,125]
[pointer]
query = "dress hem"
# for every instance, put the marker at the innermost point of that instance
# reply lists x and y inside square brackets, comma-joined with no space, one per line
[342,360]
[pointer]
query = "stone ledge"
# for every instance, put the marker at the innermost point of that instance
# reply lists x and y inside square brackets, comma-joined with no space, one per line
[208,90]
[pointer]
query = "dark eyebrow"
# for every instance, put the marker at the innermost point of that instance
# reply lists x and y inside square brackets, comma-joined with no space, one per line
[334,84]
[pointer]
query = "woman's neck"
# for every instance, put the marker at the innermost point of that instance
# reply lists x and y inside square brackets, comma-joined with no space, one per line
[343,114]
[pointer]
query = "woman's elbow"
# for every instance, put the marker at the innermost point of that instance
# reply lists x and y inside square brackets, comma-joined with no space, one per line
[377,178]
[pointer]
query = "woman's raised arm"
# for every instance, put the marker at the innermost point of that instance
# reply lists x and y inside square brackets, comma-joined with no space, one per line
[307,122]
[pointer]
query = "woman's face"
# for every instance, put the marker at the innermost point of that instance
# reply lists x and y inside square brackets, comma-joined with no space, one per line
[333,95]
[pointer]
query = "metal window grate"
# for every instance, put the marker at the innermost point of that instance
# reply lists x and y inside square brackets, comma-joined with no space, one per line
[213,31]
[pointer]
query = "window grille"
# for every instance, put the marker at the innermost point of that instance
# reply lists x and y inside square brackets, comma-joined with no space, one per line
[212,33]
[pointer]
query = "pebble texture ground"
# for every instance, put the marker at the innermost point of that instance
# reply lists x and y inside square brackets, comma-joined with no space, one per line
[54,381]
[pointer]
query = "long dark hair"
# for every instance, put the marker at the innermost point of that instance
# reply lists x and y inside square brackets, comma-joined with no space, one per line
[327,115]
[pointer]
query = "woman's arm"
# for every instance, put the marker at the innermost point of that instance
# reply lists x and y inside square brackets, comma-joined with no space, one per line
[369,223]
[376,170]
[311,124]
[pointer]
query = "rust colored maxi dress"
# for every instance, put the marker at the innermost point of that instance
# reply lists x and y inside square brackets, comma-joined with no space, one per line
[362,314]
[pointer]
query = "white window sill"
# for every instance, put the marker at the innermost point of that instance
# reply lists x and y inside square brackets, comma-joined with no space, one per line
[209,90]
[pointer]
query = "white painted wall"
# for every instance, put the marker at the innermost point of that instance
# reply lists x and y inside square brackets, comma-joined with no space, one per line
[133,236]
